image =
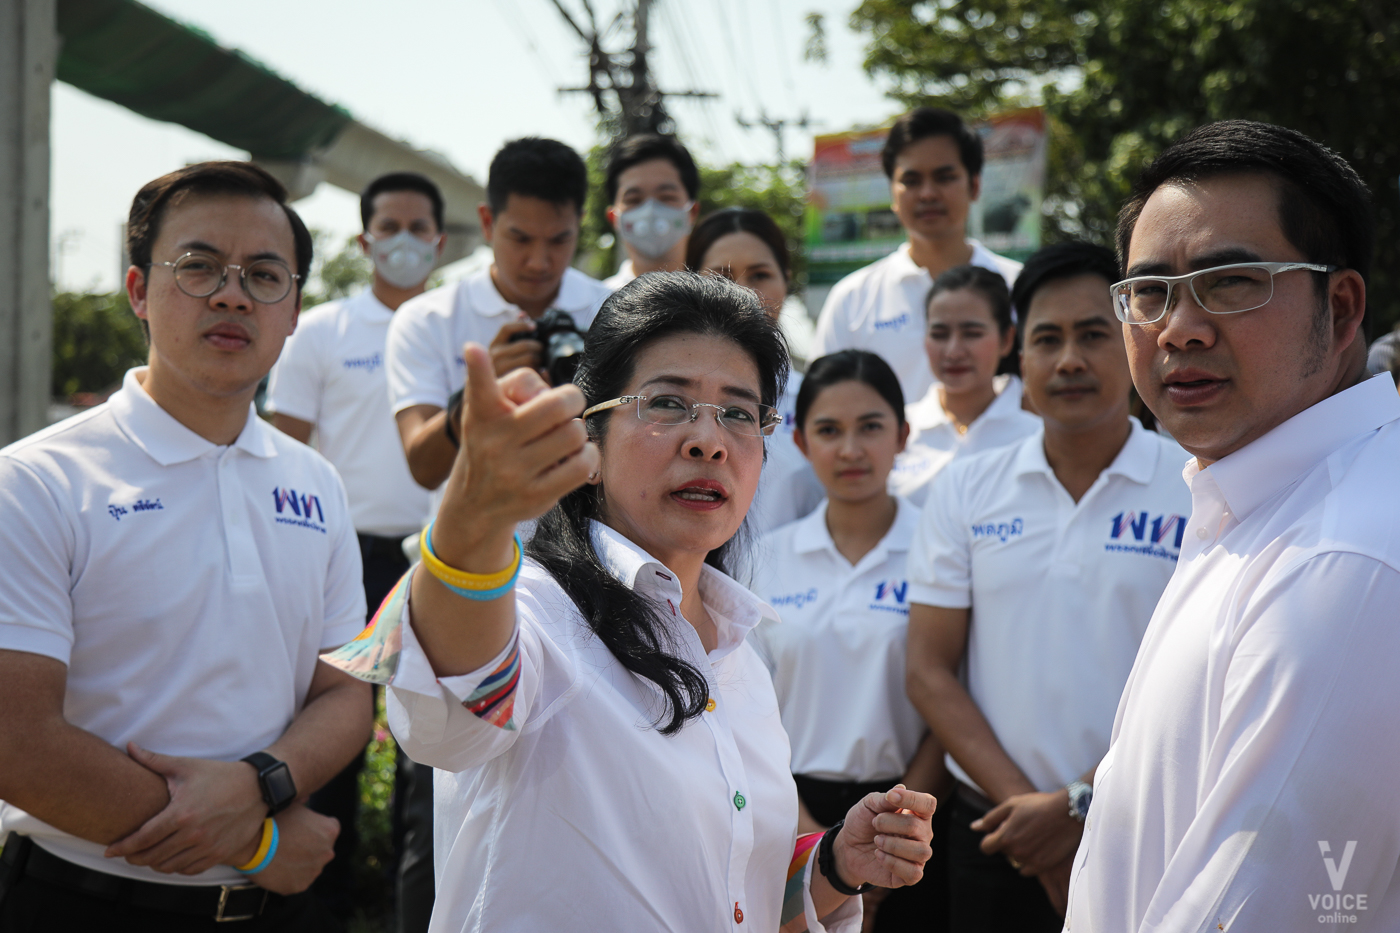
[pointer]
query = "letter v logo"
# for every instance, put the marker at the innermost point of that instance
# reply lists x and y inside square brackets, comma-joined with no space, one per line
[1337,874]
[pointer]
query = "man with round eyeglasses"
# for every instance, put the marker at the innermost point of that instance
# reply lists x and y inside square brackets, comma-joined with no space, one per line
[170,568]
[1244,785]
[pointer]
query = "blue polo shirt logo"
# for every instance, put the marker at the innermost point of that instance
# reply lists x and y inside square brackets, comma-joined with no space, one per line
[1142,533]
[301,506]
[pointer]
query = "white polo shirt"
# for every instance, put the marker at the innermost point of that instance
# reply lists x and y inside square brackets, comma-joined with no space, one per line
[644,831]
[881,308]
[187,587]
[934,442]
[1060,591]
[621,277]
[787,488]
[837,659]
[1251,783]
[331,374]
[424,354]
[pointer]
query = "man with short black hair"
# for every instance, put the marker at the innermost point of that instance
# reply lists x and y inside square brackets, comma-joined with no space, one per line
[1032,576]
[934,163]
[330,379]
[653,190]
[1248,785]
[170,568]
[535,191]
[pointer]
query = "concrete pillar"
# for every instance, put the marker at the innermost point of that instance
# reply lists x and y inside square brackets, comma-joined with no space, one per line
[28,52]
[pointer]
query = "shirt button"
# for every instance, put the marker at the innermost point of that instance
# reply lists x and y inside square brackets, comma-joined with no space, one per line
[738,914]
[739,801]
[1201,532]
[710,705]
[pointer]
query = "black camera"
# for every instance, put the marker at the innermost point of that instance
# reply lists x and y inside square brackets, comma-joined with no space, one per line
[562,342]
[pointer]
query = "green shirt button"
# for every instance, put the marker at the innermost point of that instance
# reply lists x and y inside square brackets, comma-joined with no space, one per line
[739,801]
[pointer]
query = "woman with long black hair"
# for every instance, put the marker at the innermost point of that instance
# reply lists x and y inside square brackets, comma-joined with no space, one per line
[609,744]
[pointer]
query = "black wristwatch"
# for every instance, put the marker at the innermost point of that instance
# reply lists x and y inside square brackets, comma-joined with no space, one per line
[275,781]
[826,863]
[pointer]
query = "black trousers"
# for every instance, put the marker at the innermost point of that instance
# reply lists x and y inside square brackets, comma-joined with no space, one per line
[383,563]
[29,905]
[919,908]
[988,895]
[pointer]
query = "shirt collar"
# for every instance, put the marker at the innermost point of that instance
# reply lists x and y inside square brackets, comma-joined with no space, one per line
[166,440]
[367,303]
[1257,471]
[903,265]
[928,413]
[1136,461]
[574,296]
[812,534]
[736,609]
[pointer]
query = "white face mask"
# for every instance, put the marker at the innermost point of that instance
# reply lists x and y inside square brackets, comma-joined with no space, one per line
[403,259]
[652,228]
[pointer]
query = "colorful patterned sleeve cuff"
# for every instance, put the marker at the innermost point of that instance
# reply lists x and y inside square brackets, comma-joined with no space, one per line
[793,919]
[494,698]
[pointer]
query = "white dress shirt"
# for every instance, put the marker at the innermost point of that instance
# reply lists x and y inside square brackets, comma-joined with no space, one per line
[1060,591]
[787,488]
[331,375]
[1251,782]
[187,587]
[579,812]
[838,657]
[934,441]
[424,353]
[881,308]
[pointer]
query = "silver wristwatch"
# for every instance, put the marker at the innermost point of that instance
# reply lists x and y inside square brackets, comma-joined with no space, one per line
[1080,796]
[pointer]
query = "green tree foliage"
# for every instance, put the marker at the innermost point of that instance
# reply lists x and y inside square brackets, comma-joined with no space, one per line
[96,339]
[336,275]
[1120,79]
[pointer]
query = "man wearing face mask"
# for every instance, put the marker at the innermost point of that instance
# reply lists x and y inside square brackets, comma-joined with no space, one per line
[331,378]
[653,190]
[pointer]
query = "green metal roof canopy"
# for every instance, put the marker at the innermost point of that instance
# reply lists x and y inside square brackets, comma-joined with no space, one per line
[127,53]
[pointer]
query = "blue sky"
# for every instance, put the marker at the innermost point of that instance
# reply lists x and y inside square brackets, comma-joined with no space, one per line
[460,77]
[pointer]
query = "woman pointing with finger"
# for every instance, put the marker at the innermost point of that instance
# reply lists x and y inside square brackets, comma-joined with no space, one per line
[609,744]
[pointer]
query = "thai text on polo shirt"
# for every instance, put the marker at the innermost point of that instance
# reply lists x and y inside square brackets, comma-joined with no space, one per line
[1060,592]
[187,587]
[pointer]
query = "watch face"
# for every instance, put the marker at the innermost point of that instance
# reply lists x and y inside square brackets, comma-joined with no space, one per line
[279,784]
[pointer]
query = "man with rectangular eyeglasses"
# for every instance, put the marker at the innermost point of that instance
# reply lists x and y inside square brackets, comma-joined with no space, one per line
[1246,785]
[170,568]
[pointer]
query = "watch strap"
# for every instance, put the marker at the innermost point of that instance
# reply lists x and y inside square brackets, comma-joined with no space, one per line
[826,863]
[1080,796]
[262,763]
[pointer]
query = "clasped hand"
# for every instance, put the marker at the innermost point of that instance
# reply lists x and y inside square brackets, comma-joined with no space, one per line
[1036,833]
[885,839]
[215,817]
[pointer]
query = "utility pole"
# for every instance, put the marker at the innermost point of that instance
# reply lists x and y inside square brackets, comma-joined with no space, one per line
[623,89]
[776,127]
[28,56]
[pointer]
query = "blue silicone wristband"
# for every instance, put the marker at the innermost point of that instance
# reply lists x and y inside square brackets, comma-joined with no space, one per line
[482,595]
[267,859]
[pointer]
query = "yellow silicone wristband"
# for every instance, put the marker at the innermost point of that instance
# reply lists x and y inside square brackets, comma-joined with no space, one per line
[262,848]
[461,578]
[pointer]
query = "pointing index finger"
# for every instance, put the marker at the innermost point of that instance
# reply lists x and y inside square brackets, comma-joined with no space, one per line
[484,398]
